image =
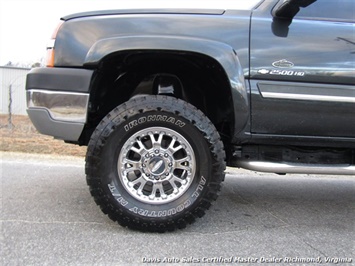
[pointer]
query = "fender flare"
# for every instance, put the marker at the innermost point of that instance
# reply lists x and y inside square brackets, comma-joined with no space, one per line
[223,53]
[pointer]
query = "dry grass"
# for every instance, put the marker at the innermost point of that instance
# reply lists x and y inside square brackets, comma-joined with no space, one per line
[23,137]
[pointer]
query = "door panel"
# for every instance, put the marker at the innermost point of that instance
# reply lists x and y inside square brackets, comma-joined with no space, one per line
[303,80]
[287,108]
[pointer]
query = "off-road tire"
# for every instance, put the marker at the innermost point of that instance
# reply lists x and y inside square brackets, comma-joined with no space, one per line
[155,163]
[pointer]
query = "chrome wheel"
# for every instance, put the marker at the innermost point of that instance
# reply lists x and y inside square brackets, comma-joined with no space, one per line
[156,165]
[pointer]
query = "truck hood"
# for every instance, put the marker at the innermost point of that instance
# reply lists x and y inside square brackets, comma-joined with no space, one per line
[164,7]
[144,11]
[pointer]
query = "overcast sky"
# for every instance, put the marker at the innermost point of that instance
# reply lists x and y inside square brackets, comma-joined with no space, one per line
[26,25]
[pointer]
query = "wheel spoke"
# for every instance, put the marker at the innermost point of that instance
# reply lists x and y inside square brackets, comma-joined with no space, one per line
[171,147]
[179,164]
[131,165]
[179,180]
[158,187]
[156,143]
[140,189]
[173,184]
[137,181]
[161,190]
[141,148]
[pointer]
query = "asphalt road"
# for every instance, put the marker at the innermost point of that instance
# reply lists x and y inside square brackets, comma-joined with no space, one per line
[49,218]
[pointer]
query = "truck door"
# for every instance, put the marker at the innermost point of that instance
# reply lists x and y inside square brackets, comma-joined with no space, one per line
[303,71]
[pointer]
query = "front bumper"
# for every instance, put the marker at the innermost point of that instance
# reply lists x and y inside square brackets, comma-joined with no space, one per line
[57,101]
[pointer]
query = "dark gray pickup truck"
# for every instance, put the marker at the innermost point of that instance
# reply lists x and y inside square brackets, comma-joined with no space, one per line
[166,98]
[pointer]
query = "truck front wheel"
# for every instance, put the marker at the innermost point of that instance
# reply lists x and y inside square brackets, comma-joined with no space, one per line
[155,163]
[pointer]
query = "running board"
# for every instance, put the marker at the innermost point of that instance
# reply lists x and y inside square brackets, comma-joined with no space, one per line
[293,168]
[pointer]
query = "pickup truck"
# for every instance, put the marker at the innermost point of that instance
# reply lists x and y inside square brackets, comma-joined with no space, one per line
[165,99]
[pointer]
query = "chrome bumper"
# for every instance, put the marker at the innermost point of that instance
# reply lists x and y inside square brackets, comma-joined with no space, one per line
[57,101]
[58,114]
[61,106]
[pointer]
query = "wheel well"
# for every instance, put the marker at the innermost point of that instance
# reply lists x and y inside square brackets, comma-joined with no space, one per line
[195,78]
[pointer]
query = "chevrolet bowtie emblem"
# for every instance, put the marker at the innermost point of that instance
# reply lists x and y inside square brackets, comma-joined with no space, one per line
[263,71]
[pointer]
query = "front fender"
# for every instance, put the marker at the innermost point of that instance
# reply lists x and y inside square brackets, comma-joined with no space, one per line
[220,52]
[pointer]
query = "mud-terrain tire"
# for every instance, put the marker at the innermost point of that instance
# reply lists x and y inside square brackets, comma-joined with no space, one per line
[155,163]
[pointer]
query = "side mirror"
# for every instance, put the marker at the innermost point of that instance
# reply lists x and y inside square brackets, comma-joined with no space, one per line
[280,27]
[288,9]
[284,12]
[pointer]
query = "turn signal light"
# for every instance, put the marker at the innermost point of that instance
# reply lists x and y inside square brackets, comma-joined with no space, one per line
[50,46]
[50,57]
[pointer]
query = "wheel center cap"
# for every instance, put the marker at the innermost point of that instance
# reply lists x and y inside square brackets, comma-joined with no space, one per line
[157,165]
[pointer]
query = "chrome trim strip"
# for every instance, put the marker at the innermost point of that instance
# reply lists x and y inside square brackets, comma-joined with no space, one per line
[308,97]
[62,106]
[281,168]
[307,91]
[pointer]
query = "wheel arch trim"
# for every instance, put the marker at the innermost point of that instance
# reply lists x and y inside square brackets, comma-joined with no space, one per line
[221,52]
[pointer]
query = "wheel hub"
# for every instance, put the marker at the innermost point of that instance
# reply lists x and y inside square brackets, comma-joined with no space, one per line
[156,165]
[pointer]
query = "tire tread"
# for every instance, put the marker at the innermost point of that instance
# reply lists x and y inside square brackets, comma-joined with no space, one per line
[124,112]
